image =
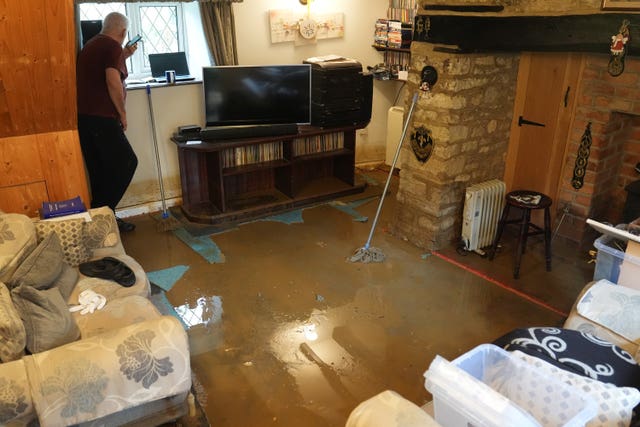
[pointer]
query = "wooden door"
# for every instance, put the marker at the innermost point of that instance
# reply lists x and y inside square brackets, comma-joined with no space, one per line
[546,89]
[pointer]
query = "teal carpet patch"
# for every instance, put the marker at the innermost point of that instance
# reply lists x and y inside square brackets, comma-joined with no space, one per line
[168,277]
[202,245]
[350,208]
[369,180]
[293,217]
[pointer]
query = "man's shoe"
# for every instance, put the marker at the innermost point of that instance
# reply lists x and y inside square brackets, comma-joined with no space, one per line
[125,226]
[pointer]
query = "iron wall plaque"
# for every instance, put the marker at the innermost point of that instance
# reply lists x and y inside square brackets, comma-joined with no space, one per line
[582,160]
[422,143]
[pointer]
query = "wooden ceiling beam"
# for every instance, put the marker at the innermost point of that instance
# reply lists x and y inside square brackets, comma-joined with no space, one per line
[568,33]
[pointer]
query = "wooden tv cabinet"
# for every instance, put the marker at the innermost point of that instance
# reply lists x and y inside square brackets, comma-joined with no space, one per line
[238,179]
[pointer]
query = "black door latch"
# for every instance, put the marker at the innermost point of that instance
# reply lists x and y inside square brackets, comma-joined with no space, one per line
[523,121]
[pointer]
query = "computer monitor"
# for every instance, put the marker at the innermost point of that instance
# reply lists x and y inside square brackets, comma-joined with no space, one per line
[161,62]
[88,29]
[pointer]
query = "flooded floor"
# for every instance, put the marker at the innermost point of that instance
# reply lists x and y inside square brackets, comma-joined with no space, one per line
[286,332]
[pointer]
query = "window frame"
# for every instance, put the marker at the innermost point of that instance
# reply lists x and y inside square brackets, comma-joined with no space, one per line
[138,68]
[136,63]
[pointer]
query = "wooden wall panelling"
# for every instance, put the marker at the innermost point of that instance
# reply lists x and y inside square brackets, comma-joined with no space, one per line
[5,114]
[37,69]
[24,199]
[19,161]
[63,165]
[62,52]
[14,68]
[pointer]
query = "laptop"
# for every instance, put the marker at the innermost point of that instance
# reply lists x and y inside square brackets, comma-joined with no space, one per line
[177,61]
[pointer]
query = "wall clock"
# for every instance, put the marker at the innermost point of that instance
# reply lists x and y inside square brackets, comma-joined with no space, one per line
[308,28]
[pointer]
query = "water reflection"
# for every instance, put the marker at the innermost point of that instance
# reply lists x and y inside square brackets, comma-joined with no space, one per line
[204,321]
[207,311]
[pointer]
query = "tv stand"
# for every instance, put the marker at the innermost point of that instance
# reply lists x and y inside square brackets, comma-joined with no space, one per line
[228,180]
[247,131]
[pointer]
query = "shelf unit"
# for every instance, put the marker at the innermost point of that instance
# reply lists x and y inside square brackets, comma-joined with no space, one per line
[397,58]
[237,179]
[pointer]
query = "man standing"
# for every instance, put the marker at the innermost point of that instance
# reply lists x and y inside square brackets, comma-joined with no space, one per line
[102,118]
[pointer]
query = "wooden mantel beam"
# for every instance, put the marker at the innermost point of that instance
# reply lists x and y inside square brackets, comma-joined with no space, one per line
[568,33]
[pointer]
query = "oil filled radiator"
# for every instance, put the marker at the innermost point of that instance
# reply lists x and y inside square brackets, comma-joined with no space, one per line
[483,204]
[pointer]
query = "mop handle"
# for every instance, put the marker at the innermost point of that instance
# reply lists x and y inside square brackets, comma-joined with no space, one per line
[155,149]
[393,165]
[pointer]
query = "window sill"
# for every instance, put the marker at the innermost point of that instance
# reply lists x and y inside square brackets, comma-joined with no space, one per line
[142,85]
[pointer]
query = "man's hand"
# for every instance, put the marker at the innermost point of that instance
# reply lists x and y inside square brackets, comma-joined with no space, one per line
[129,50]
[123,121]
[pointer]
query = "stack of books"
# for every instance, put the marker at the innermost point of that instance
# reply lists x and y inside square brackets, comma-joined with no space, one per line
[62,208]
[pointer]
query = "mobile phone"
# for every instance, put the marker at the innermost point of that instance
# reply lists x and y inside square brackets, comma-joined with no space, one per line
[134,40]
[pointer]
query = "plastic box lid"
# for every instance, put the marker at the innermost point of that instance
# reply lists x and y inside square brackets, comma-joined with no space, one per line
[491,387]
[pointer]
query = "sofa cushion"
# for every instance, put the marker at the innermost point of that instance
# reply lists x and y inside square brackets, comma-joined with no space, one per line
[116,314]
[102,230]
[614,307]
[110,372]
[42,267]
[17,240]
[66,281]
[47,320]
[110,289]
[71,234]
[12,334]
[15,396]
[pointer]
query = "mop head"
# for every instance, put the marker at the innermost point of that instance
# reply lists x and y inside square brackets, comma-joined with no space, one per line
[367,255]
[166,222]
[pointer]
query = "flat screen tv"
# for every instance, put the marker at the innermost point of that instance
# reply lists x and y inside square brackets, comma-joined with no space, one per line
[239,95]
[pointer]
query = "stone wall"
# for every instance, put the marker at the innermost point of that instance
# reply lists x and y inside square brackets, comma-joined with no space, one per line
[468,114]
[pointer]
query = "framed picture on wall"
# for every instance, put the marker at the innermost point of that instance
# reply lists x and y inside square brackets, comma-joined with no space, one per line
[620,5]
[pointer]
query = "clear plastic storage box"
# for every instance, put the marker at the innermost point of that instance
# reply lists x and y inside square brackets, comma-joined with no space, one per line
[489,387]
[610,258]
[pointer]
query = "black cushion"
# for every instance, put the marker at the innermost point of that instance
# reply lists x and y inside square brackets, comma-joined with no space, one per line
[574,351]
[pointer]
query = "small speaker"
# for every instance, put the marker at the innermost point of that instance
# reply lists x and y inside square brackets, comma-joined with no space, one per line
[188,129]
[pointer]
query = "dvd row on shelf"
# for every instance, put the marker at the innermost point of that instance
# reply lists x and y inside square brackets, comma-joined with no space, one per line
[249,154]
[318,144]
[262,153]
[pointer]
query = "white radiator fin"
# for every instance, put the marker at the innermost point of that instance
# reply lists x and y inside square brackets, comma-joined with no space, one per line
[482,210]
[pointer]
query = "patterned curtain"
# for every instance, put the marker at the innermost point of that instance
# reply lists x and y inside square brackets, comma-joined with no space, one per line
[220,30]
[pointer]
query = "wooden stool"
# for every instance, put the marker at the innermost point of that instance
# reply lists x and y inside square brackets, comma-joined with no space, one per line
[527,201]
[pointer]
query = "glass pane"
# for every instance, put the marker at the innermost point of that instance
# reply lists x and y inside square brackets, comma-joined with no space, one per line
[94,11]
[160,29]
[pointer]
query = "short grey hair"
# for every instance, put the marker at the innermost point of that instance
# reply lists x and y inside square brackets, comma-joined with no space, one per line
[115,22]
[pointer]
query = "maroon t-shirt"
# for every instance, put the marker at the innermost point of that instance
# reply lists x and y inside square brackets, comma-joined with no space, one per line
[100,53]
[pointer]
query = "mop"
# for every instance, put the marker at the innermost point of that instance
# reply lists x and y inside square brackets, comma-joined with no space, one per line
[367,253]
[166,222]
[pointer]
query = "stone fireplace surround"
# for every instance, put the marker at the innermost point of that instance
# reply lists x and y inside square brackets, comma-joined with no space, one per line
[469,114]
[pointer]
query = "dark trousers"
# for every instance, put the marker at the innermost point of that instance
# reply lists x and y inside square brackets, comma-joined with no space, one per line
[109,158]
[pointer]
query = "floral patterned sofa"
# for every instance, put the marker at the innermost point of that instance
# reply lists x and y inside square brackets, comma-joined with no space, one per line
[124,364]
